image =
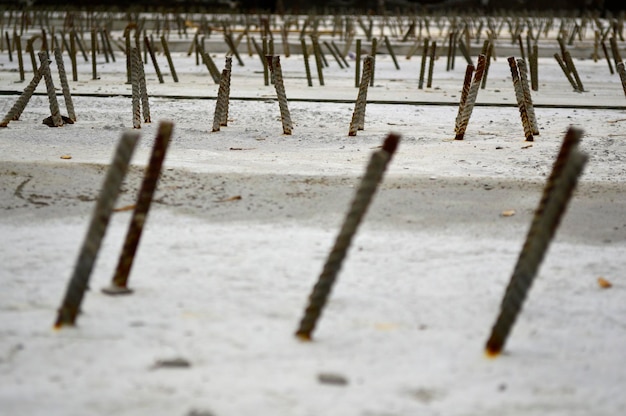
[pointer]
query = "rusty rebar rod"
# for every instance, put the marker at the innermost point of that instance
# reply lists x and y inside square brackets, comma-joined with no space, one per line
[73,54]
[228,37]
[567,57]
[528,100]
[94,41]
[364,195]
[556,195]
[617,58]
[420,84]
[57,120]
[143,90]
[565,70]
[431,64]
[606,56]
[318,59]
[219,102]
[135,58]
[155,63]
[358,116]
[168,55]
[69,104]
[119,283]
[333,53]
[391,52]
[229,69]
[357,69]
[521,102]
[266,74]
[16,111]
[373,55]
[279,86]
[488,57]
[622,75]
[70,307]
[467,82]
[305,57]
[471,98]
[20,57]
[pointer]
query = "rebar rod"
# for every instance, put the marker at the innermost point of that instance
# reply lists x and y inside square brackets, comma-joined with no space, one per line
[567,57]
[219,102]
[20,57]
[423,64]
[471,98]
[521,102]
[373,55]
[565,70]
[119,283]
[229,68]
[79,282]
[168,55]
[431,64]
[556,195]
[391,52]
[364,195]
[467,82]
[318,59]
[155,63]
[94,40]
[57,120]
[135,58]
[528,100]
[16,111]
[622,75]
[357,69]
[305,57]
[282,96]
[143,90]
[606,56]
[358,116]
[69,104]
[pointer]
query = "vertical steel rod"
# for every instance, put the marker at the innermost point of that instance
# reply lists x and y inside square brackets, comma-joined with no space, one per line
[528,100]
[282,96]
[556,195]
[467,82]
[70,307]
[364,195]
[471,98]
[135,58]
[69,104]
[521,102]
[119,283]
[57,121]
[358,116]
[16,111]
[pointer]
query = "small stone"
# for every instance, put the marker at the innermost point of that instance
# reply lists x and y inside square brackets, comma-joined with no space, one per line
[332,379]
[172,363]
[195,412]
[65,120]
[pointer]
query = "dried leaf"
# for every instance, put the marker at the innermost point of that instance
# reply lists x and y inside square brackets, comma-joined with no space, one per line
[66,157]
[603,283]
[125,208]
[507,213]
[232,198]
